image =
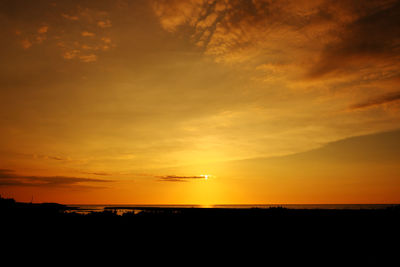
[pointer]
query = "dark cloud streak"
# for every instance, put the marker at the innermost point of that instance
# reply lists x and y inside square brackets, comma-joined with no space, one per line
[10,178]
[373,37]
[175,178]
[377,101]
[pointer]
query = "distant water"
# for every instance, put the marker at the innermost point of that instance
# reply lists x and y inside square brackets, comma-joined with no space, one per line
[136,208]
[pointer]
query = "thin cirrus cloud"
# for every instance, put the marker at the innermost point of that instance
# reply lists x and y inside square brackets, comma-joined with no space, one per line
[392,97]
[11,178]
[97,173]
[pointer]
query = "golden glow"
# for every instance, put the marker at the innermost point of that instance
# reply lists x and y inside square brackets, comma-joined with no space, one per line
[200,102]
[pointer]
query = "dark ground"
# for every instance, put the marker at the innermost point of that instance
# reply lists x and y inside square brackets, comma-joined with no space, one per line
[197,236]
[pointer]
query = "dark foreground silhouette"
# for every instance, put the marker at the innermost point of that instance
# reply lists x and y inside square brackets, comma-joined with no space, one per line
[318,237]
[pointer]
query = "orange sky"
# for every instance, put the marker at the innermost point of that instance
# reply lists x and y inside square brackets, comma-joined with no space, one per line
[136,101]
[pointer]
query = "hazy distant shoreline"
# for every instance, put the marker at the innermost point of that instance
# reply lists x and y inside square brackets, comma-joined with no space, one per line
[85,208]
[14,208]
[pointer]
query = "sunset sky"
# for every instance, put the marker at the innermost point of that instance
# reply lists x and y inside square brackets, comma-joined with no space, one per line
[200,101]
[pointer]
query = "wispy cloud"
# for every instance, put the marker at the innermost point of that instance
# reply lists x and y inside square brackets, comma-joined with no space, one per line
[388,98]
[43,29]
[87,34]
[70,17]
[177,178]
[104,24]
[88,58]
[26,44]
[48,157]
[97,173]
[11,178]
[371,36]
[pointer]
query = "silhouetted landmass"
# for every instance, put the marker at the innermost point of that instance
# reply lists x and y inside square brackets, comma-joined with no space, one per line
[325,237]
[10,207]
[12,210]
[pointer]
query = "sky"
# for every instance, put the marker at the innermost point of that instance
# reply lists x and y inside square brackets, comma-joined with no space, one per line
[200,101]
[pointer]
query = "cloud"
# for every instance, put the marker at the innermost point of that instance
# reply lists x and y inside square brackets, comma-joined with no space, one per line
[43,29]
[372,37]
[47,157]
[230,27]
[322,36]
[57,158]
[98,173]
[76,53]
[34,37]
[87,34]
[176,178]
[88,58]
[70,17]
[10,178]
[104,24]
[84,41]
[383,99]
[26,44]
[330,48]
[174,13]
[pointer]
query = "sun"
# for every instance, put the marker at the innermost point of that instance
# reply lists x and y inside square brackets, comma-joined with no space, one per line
[205,176]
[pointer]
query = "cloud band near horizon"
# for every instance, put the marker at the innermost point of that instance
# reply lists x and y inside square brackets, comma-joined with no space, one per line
[10,178]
